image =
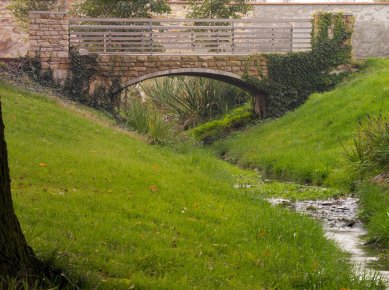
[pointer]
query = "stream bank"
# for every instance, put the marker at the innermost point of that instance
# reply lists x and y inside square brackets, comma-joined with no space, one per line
[339,217]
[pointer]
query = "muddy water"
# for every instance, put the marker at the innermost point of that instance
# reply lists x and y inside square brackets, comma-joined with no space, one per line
[340,222]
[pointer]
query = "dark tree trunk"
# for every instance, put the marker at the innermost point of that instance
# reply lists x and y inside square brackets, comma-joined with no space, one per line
[17,260]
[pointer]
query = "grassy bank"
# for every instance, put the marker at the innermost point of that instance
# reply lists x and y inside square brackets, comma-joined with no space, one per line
[308,144]
[125,214]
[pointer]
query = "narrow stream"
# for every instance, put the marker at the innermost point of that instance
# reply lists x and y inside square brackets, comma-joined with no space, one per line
[340,222]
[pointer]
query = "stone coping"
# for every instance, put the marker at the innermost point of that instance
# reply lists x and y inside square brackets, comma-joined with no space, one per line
[302,3]
[48,12]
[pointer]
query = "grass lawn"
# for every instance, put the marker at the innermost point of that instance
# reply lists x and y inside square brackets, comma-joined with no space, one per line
[122,213]
[307,144]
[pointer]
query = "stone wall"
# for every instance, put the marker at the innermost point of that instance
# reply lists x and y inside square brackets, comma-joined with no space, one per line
[371,35]
[13,40]
[49,40]
[128,68]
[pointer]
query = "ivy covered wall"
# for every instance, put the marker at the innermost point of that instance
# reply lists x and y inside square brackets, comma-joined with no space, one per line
[292,77]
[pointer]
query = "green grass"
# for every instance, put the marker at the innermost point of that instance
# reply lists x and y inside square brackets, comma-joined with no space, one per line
[124,213]
[375,201]
[307,144]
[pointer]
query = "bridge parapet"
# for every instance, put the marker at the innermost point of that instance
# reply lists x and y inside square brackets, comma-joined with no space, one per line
[189,36]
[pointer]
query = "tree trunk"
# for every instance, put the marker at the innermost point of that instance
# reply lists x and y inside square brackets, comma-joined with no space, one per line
[17,260]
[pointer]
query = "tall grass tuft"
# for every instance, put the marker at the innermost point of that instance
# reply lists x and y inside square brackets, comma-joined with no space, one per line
[193,100]
[145,120]
[370,151]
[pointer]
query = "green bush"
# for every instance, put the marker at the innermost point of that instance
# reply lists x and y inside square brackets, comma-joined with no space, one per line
[190,101]
[370,152]
[213,130]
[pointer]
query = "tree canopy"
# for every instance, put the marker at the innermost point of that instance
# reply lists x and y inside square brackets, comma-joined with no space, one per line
[219,8]
[122,8]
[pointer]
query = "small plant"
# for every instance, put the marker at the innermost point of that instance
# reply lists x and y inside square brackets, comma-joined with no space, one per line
[370,151]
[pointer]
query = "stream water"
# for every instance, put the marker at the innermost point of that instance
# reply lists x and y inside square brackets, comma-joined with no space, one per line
[340,222]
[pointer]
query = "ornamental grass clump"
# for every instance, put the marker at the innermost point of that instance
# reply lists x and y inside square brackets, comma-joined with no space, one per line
[191,101]
[142,118]
[369,154]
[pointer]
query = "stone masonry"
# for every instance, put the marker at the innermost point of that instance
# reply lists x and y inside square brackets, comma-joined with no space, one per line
[49,40]
[129,67]
[13,40]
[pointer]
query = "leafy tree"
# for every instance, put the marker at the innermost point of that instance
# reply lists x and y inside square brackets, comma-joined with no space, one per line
[219,8]
[122,8]
[20,8]
[90,8]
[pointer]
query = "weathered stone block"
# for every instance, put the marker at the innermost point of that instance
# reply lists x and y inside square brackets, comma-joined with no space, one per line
[150,64]
[221,58]
[221,63]
[190,58]
[205,58]
[45,65]
[234,63]
[141,58]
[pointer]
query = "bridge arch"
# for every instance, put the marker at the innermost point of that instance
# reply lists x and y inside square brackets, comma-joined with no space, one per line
[224,76]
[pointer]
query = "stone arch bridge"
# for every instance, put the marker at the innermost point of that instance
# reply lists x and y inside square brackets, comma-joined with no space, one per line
[134,50]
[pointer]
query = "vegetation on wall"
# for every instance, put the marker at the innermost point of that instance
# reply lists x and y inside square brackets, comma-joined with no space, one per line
[291,78]
[83,67]
[78,81]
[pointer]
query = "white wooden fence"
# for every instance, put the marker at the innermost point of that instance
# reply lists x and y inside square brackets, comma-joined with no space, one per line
[189,36]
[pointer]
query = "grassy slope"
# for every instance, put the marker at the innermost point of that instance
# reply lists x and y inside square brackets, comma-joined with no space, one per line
[125,213]
[306,144]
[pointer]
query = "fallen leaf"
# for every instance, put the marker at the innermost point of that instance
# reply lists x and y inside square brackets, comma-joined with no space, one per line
[153,188]
[42,164]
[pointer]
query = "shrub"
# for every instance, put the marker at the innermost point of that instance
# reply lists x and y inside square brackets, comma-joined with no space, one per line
[213,130]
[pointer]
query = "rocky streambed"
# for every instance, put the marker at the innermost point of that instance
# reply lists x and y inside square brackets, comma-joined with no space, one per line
[340,222]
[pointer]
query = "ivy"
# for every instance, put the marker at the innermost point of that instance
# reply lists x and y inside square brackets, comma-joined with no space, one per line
[292,77]
[105,97]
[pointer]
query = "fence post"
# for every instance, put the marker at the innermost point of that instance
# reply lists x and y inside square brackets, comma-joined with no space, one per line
[233,36]
[291,36]
[151,36]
